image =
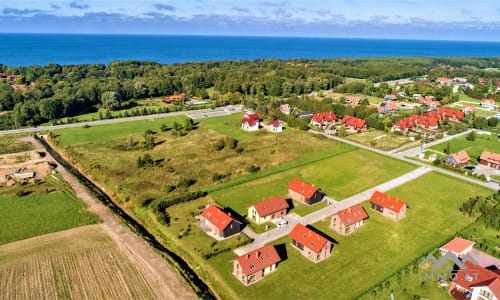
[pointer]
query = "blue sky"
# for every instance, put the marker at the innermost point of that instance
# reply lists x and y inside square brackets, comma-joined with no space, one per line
[407,19]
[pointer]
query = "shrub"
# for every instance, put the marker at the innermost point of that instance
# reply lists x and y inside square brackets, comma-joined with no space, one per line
[218,145]
[253,169]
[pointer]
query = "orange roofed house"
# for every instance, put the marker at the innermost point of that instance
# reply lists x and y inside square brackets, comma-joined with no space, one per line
[475,282]
[268,210]
[178,98]
[390,207]
[250,122]
[324,119]
[457,160]
[253,266]
[457,246]
[349,219]
[220,223]
[488,103]
[354,123]
[303,192]
[310,244]
[490,159]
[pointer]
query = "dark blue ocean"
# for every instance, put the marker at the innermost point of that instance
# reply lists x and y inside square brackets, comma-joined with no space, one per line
[40,49]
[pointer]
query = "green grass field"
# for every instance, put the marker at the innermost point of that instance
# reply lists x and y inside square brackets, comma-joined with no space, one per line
[339,177]
[379,139]
[10,144]
[374,252]
[473,148]
[97,133]
[33,215]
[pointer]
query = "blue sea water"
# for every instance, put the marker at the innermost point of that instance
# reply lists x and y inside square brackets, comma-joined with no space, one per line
[40,49]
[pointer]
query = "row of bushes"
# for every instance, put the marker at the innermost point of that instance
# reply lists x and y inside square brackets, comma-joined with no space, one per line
[159,207]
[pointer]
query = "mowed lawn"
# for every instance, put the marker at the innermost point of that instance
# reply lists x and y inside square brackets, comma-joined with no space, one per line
[339,177]
[33,215]
[473,148]
[374,252]
[97,133]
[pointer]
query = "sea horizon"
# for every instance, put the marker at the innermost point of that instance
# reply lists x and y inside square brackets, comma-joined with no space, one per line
[97,48]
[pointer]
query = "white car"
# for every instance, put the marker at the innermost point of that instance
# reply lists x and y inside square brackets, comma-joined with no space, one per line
[282,223]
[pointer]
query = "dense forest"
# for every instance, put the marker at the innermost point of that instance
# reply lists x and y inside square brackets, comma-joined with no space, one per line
[54,91]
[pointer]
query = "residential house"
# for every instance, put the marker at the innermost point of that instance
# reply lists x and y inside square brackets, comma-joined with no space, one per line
[354,123]
[475,282]
[323,119]
[391,97]
[482,81]
[387,107]
[219,223]
[177,98]
[389,206]
[268,210]
[250,122]
[457,160]
[255,265]
[303,192]
[403,125]
[425,121]
[450,114]
[353,100]
[305,114]
[21,87]
[457,246]
[275,126]
[285,108]
[311,244]
[444,81]
[490,159]
[468,108]
[460,80]
[12,78]
[488,103]
[349,219]
[430,102]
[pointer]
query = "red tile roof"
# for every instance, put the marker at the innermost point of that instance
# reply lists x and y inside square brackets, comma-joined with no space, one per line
[352,215]
[216,216]
[491,101]
[179,97]
[492,284]
[21,87]
[308,238]
[387,201]
[461,157]
[392,97]
[274,123]
[302,188]
[271,206]
[426,99]
[490,157]
[467,107]
[354,100]
[324,117]
[353,122]
[285,107]
[473,275]
[444,80]
[258,260]
[457,245]
[250,119]
[446,113]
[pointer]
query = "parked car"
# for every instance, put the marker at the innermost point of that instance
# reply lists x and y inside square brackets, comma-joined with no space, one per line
[282,223]
[470,167]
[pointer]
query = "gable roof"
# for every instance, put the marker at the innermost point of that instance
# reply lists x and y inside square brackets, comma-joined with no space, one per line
[352,215]
[450,113]
[492,284]
[354,100]
[308,238]
[484,101]
[391,97]
[387,201]
[285,107]
[490,157]
[467,107]
[354,122]
[258,259]
[302,188]
[250,119]
[271,206]
[274,123]
[480,277]
[216,216]
[324,117]
[457,245]
[460,157]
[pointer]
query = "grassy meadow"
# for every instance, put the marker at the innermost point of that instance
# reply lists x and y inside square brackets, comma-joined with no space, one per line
[44,209]
[11,144]
[371,254]
[379,139]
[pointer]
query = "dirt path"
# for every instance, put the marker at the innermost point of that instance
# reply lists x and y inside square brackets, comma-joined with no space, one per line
[164,280]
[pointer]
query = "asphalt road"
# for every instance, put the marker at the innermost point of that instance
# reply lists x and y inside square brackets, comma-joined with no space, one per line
[194,114]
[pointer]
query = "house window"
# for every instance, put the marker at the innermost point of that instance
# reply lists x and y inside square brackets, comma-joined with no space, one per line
[252,266]
[486,294]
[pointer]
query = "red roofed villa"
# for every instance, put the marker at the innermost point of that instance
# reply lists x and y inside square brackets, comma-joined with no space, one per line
[349,219]
[353,100]
[488,103]
[253,266]
[480,282]
[450,114]
[457,160]
[310,243]
[468,108]
[457,246]
[218,222]
[250,122]
[268,210]
[354,123]
[303,192]
[179,98]
[323,119]
[490,159]
[390,207]
[275,126]
[285,108]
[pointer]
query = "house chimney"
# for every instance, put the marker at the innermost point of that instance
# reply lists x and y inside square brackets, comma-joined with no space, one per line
[229,213]
[248,256]
[257,254]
